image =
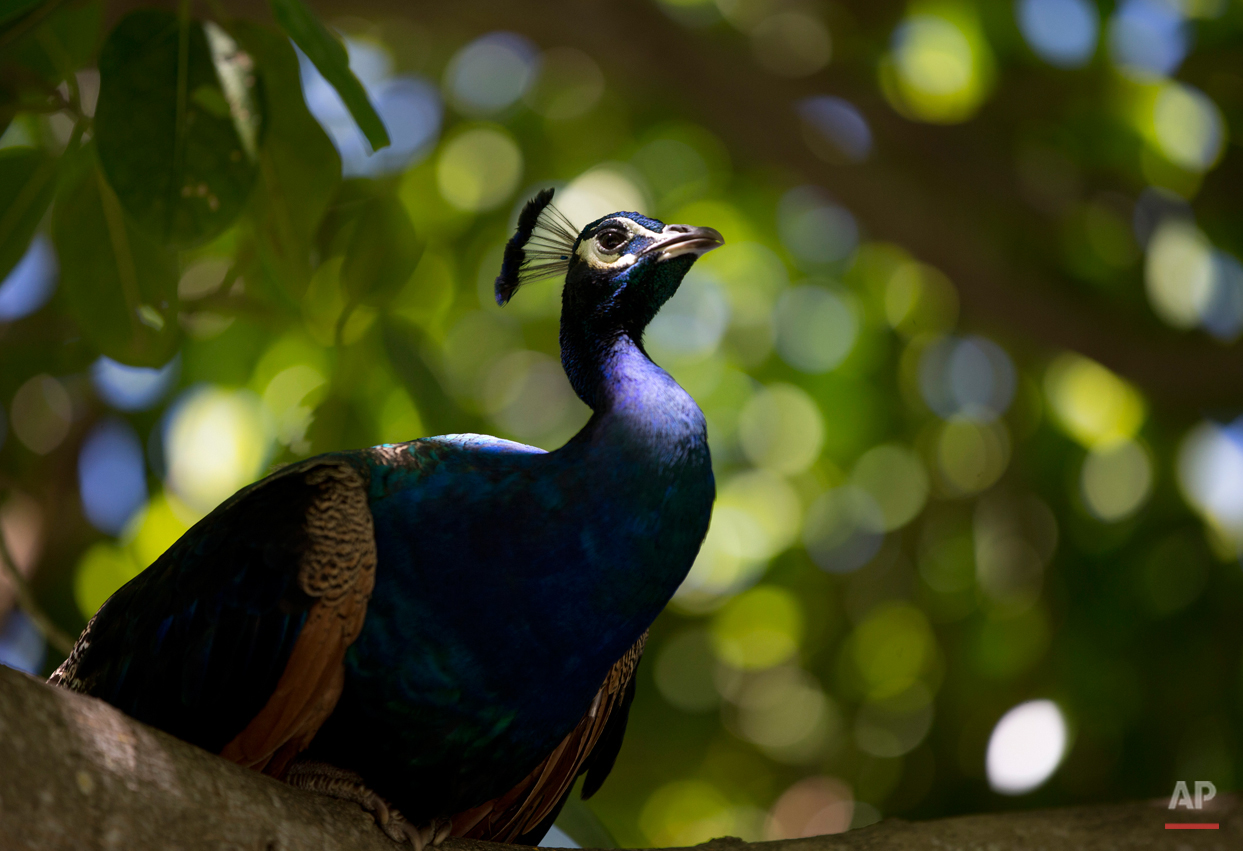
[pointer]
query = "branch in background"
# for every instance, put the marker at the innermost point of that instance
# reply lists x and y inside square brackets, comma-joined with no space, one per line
[26,599]
[76,773]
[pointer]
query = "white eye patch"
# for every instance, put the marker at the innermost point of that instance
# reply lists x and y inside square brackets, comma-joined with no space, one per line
[590,250]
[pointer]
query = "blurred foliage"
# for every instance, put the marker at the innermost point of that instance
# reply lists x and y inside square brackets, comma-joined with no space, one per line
[949,564]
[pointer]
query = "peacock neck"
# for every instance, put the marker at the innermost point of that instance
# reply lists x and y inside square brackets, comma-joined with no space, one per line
[648,488]
[613,375]
[646,443]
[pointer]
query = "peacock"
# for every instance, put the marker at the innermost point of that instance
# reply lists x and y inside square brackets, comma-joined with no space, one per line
[445,631]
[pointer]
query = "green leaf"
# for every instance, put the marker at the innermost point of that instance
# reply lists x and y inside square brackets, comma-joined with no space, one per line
[407,347]
[58,46]
[12,9]
[75,32]
[328,55]
[337,227]
[382,252]
[299,169]
[182,170]
[120,285]
[27,183]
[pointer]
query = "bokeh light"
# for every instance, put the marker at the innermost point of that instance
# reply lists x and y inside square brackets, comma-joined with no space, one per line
[1026,747]
[896,725]
[844,529]
[759,628]
[22,645]
[940,66]
[792,43]
[971,456]
[972,377]
[753,277]
[599,191]
[840,132]
[1014,537]
[215,441]
[781,428]
[529,397]
[691,324]
[479,169]
[919,299]
[892,650]
[1062,32]
[161,522]
[31,282]
[686,812]
[756,517]
[568,83]
[101,570]
[1179,272]
[288,398]
[409,106]
[112,481]
[919,509]
[491,73]
[1210,471]
[814,229]
[1091,404]
[132,388]
[816,327]
[23,524]
[1223,315]
[41,414]
[1116,480]
[785,713]
[814,806]
[895,479]
[683,671]
[1148,38]
[1187,127]
[675,170]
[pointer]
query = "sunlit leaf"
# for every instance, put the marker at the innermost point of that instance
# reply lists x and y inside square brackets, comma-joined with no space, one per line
[299,169]
[27,182]
[329,56]
[181,168]
[120,285]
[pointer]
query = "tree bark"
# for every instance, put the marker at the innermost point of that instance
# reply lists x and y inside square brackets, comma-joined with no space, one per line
[75,773]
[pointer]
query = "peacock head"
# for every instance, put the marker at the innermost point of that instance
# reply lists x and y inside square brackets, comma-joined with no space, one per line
[618,270]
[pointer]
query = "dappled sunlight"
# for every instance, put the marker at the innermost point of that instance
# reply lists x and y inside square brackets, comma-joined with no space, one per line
[967,360]
[1026,746]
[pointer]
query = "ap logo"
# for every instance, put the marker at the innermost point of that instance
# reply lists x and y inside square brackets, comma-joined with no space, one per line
[1182,797]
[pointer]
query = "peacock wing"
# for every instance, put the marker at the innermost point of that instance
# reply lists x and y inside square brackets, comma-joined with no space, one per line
[234,638]
[527,810]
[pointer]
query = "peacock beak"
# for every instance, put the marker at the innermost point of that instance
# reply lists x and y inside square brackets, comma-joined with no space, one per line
[676,240]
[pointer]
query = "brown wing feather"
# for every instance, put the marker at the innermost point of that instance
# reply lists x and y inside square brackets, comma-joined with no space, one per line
[523,807]
[338,569]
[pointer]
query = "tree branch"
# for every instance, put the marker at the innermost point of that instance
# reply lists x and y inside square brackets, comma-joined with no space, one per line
[77,774]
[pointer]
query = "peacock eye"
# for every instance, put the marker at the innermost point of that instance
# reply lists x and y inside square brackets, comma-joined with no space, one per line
[611,240]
